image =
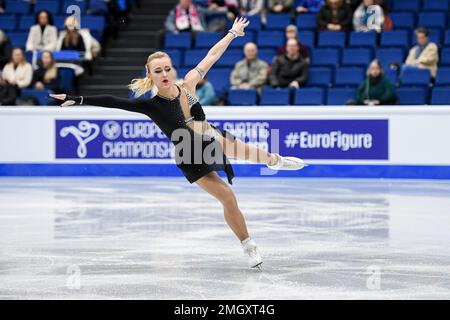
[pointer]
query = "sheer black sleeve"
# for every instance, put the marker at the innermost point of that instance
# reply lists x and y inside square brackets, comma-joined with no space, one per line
[110,101]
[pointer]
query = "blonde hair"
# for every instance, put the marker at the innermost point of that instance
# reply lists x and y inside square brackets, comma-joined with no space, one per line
[51,72]
[142,85]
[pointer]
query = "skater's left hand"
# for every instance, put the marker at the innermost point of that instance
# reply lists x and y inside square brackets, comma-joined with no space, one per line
[239,25]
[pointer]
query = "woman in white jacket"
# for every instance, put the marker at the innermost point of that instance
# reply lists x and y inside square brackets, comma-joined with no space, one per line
[18,72]
[43,35]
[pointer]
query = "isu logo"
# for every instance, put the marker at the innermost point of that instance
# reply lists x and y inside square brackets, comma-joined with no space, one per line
[84,133]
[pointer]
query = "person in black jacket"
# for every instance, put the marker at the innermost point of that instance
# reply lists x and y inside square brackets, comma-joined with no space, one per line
[335,15]
[5,49]
[46,76]
[290,69]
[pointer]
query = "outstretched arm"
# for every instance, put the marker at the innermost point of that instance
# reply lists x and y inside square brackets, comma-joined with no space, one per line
[195,75]
[102,100]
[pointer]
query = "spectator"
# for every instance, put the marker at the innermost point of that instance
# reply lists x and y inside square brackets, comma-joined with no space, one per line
[376,89]
[362,18]
[220,12]
[250,7]
[205,92]
[280,6]
[334,16]
[5,49]
[308,6]
[250,72]
[43,34]
[46,76]
[8,93]
[18,72]
[74,38]
[186,16]
[289,70]
[291,33]
[424,55]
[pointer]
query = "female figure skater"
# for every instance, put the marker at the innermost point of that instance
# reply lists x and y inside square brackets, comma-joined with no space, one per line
[176,107]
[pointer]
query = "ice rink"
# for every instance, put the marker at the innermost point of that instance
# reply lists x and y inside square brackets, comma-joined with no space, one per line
[162,238]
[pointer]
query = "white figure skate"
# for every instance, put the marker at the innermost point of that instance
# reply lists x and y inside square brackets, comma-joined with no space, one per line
[251,251]
[288,163]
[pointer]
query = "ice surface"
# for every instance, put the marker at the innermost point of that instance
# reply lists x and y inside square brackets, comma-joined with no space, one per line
[162,238]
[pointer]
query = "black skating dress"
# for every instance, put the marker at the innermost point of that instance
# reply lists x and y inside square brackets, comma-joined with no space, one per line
[169,116]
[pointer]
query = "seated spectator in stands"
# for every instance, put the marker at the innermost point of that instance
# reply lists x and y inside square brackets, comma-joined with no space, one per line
[308,6]
[289,70]
[280,6]
[5,49]
[46,76]
[250,7]
[376,89]
[18,72]
[8,93]
[43,34]
[220,12]
[186,17]
[424,55]
[205,92]
[291,33]
[74,38]
[365,19]
[334,15]
[250,72]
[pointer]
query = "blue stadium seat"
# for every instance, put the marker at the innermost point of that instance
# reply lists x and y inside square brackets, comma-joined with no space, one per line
[278,21]
[220,79]
[406,5]
[63,55]
[440,96]
[403,20]
[26,22]
[340,96]
[447,38]
[306,21]
[357,57]
[175,56]
[391,74]
[93,23]
[436,5]
[396,38]
[388,56]
[51,6]
[67,76]
[307,38]
[58,21]
[267,55]
[18,39]
[81,4]
[443,77]
[270,39]
[325,57]
[240,42]
[193,56]
[416,77]
[435,35]
[230,58]
[181,72]
[412,95]
[242,97]
[178,41]
[309,97]
[362,39]
[274,96]
[40,95]
[255,23]
[349,76]
[320,76]
[331,39]
[445,57]
[436,20]
[15,6]
[8,23]
[207,39]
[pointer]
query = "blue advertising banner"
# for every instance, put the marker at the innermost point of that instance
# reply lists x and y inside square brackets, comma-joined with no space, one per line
[308,139]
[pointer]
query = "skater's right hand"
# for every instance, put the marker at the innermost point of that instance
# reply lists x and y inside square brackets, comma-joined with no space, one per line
[63,98]
[239,25]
